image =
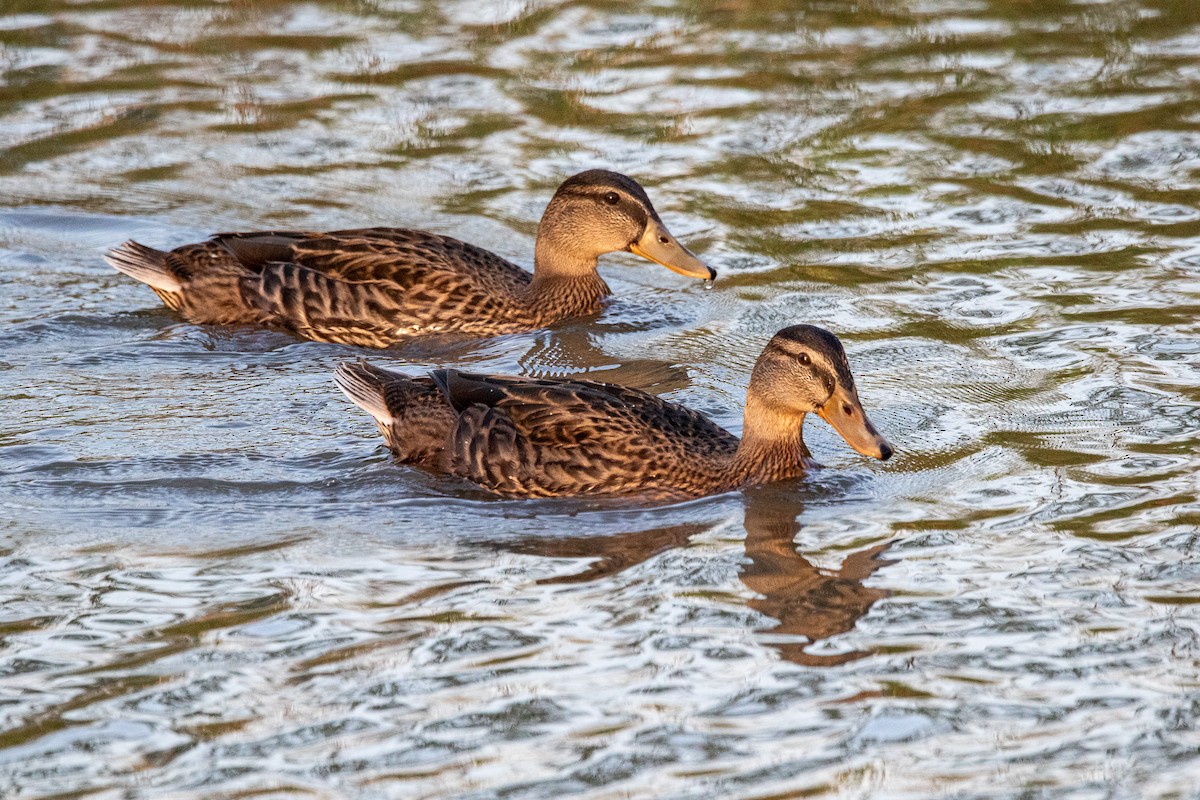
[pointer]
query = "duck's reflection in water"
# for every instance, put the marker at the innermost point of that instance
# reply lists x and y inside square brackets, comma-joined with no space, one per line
[612,554]
[807,601]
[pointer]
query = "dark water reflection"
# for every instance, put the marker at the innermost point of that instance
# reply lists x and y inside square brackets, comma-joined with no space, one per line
[213,583]
[809,602]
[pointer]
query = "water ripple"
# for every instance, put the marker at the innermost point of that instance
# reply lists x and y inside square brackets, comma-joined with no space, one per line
[215,584]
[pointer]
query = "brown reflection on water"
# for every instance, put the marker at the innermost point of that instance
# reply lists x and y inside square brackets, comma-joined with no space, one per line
[808,601]
[613,554]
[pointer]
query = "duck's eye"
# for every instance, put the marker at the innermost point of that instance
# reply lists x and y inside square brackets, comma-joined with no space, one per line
[612,198]
[804,359]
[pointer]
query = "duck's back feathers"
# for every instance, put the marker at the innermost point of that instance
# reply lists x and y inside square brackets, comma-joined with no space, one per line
[371,286]
[546,438]
[522,437]
[375,286]
[397,255]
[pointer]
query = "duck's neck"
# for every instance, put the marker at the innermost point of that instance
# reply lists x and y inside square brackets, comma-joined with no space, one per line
[565,282]
[772,446]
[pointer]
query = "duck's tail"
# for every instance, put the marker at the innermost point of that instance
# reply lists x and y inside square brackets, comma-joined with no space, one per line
[365,385]
[412,415]
[146,264]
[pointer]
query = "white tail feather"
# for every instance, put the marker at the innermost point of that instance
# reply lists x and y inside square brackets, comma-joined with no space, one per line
[359,382]
[145,264]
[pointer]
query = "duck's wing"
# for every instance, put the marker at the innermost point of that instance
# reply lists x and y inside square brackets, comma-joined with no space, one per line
[399,256]
[546,438]
[373,286]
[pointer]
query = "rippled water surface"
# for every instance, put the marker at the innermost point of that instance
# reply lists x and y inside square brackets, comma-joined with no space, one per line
[215,585]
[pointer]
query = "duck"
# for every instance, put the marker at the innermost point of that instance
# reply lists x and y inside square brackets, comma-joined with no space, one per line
[520,437]
[379,287]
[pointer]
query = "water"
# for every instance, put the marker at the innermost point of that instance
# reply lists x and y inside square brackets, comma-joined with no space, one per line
[215,585]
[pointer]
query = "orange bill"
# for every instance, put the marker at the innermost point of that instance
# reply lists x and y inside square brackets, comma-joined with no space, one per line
[846,415]
[659,246]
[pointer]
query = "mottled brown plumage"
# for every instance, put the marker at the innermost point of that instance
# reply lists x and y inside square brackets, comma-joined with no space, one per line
[379,286]
[520,437]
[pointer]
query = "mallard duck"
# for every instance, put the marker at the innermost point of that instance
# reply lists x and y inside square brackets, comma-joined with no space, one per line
[520,437]
[379,286]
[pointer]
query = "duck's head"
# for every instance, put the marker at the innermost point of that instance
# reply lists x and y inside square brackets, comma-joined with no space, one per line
[803,370]
[598,212]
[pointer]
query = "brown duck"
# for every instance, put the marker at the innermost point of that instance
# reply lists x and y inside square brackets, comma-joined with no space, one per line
[520,437]
[379,286]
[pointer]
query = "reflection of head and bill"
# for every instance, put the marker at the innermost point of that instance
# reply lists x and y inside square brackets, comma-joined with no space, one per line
[807,601]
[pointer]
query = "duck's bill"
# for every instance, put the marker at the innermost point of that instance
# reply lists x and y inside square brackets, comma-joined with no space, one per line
[658,245]
[846,415]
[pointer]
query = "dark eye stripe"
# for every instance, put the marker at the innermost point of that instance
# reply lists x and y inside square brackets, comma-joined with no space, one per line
[827,378]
